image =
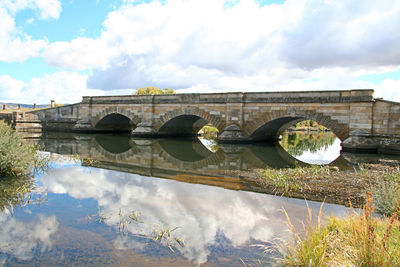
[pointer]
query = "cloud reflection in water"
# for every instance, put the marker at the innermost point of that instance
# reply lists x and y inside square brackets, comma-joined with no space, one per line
[21,239]
[201,212]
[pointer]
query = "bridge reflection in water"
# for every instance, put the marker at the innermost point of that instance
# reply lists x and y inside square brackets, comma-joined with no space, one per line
[187,160]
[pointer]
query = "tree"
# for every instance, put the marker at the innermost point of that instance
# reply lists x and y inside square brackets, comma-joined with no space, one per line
[152,90]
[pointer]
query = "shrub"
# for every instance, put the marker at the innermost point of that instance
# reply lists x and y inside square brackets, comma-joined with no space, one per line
[16,157]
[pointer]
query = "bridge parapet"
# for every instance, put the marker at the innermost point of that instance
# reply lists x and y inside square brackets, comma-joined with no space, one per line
[339,96]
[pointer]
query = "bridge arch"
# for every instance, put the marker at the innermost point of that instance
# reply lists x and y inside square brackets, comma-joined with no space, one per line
[270,125]
[186,122]
[115,119]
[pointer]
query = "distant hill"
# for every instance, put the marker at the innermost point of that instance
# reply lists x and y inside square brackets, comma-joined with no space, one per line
[15,105]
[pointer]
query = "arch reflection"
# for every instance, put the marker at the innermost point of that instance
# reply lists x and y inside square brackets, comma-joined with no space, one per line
[174,158]
[321,147]
[189,150]
[114,145]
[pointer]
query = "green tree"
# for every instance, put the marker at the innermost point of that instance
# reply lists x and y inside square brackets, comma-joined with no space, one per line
[152,90]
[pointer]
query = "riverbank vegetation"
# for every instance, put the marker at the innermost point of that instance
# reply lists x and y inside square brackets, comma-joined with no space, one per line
[369,237]
[17,158]
[18,163]
[386,192]
[336,185]
[360,239]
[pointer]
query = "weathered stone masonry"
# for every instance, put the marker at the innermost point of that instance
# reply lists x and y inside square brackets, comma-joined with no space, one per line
[360,121]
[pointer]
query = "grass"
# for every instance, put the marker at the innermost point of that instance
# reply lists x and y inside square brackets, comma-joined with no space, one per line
[360,239]
[290,180]
[337,185]
[386,192]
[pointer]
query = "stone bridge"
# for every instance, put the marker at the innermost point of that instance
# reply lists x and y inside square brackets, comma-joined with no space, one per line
[362,122]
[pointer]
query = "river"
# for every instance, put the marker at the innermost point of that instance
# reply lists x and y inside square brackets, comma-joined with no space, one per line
[156,202]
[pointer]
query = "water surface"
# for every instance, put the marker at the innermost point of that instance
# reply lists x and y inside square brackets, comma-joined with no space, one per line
[109,207]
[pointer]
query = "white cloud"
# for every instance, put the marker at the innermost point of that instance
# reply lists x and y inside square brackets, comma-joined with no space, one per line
[344,33]
[45,9]
[14,44]
[63,86]
[389,89]
[10,88]
[30,21]
[48,8]
[80,54]
[200,44]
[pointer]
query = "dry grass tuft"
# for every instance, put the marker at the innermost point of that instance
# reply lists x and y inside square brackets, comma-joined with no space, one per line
[360,239]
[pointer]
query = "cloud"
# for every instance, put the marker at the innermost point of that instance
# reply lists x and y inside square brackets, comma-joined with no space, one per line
[206,46]
[344,33]
[389,89]
[79,54]
[174,45]
[15,45]
[10,88]
[63,86]
[45,9]
[30,21]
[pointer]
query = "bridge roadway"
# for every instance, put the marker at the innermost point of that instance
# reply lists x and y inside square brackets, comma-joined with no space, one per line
[363,123]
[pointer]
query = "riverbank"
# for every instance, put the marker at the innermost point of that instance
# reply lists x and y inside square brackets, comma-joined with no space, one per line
[323,183]
[359,239]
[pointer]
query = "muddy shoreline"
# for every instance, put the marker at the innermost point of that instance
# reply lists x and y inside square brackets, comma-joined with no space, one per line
[344,187]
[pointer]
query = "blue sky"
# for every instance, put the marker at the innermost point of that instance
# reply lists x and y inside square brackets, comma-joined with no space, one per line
[62,50]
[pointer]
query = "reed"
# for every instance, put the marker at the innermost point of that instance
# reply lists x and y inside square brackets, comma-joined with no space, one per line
[360,239]
[160,233]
